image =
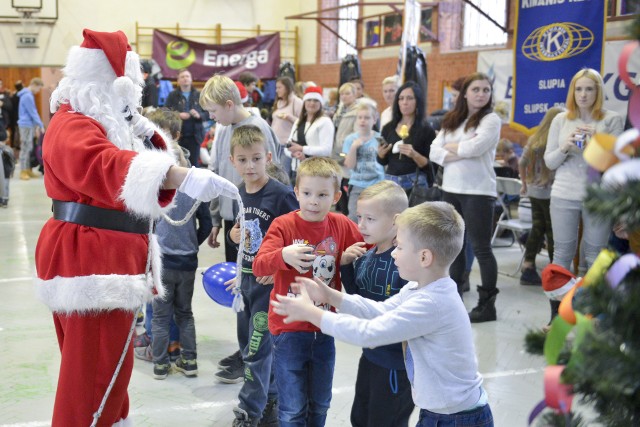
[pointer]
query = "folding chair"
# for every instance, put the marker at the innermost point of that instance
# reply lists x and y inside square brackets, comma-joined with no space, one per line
[510,187]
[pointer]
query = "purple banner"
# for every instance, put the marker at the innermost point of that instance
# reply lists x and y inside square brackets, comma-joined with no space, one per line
[260,55]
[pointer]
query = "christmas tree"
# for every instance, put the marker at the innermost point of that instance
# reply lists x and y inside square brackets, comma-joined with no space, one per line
[601,353]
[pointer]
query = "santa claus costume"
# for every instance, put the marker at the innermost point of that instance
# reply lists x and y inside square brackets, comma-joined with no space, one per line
[96,259]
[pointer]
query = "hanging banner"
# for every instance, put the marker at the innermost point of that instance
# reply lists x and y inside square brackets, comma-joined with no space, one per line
[260,55]
[498,64]
[554,40]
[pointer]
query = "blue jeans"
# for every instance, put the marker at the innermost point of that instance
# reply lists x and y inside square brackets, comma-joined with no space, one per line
[480,417]
[406,181]
[177,302]
[174,333]
[304,363]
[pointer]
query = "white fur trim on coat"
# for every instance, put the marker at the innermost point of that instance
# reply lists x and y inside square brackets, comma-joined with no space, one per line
[83,294]
[145,177]
[156,266]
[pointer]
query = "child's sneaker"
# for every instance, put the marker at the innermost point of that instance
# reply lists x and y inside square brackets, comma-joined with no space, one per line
[143,353]
[243,419]
[187,367]
[270,414]
[174,350]
[231,375]
[230,360]
[161,370]
[142,340]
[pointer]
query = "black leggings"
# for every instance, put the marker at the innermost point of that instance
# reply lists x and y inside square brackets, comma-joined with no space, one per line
[477,212]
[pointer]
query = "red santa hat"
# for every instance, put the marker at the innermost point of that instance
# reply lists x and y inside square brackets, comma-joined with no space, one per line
[105,57]
[313,92]
[557,281]
[244,95]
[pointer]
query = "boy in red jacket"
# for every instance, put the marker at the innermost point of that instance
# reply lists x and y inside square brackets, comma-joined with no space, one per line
[312,242]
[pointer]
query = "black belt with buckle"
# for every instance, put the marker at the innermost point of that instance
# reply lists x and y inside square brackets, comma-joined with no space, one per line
[92,216]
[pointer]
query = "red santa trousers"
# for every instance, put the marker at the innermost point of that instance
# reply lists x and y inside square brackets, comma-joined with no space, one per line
[91,345]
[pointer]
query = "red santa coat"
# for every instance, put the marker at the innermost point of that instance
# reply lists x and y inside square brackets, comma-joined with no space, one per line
[85,269]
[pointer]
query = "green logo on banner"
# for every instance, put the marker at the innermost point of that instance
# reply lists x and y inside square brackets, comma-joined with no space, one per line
[179,55]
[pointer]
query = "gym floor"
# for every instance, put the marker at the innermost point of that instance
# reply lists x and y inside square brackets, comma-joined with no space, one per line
[30,356]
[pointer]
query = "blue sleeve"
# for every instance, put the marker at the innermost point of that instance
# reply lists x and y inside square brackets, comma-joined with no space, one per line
[204,222]
[348,278]
[348,141]
[32,111]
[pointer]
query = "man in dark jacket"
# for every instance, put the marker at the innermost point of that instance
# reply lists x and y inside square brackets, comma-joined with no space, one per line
[150,90]
[185,100]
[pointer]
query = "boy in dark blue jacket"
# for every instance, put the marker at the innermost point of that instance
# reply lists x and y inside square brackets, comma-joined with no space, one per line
[383,392]
[264,199]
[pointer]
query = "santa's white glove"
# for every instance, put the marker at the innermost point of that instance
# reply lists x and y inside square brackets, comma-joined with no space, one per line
[141,125]
[203,184]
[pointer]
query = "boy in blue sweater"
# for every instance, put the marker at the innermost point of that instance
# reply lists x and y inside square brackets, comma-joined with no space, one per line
[179,246]
[264,199]
[383,391]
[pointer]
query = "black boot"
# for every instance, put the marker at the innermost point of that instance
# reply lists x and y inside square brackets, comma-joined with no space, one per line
[466,286]
[486,309]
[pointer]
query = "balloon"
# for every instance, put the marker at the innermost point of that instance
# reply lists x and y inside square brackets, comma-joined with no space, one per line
[214,282]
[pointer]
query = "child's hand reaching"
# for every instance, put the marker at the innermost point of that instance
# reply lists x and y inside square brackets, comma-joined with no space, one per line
[265,280]
[352,253]
[299,256]
[230,286]
[315,288]
[298,309]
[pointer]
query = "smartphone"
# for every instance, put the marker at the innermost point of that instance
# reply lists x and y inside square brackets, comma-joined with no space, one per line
[381,140]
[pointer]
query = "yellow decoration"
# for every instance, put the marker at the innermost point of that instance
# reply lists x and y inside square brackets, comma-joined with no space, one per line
[600,266]
[599,152]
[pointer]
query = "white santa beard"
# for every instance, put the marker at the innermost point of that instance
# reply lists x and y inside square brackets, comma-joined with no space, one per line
[99,102]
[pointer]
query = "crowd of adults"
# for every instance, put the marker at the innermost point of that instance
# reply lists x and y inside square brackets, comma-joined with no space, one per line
[454,149]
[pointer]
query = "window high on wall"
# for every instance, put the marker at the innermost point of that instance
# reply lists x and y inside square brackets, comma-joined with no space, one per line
[343,22]
[347,28]
[480,31]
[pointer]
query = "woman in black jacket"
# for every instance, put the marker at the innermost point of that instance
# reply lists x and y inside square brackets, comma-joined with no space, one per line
[400,156]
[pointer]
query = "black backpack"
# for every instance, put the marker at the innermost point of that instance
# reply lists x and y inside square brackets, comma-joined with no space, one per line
[349,69]
[287,70]
[416,68]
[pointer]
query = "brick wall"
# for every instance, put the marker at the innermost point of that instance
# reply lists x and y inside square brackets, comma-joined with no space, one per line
[442,69]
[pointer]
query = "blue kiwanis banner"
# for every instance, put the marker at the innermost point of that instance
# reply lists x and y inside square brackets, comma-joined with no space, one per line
[554,40]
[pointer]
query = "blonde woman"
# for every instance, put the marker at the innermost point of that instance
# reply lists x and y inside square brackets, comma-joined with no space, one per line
[568,136]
